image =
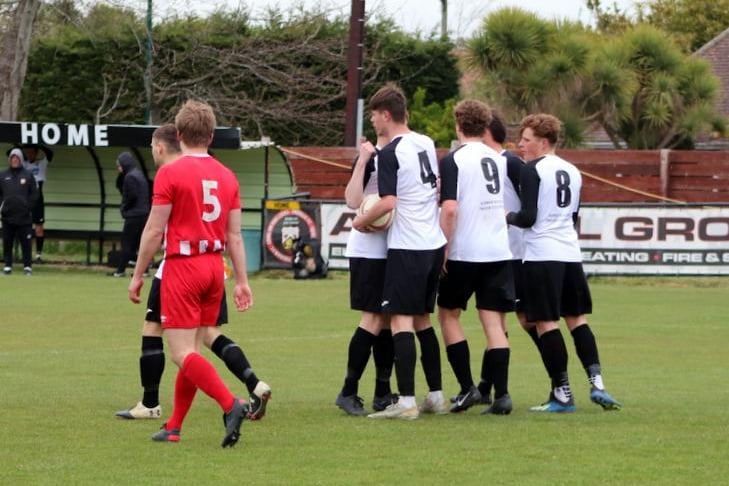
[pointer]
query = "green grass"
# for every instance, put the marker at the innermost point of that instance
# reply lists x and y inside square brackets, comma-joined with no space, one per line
[69,356]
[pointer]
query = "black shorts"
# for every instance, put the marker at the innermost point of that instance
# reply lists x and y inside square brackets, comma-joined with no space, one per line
[366,281]
[411,281]
[517,269]
[39,209]
[153,305]
[555,289]
[492,282]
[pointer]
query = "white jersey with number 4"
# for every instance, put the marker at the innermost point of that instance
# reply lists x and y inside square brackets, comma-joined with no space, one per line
[408,169]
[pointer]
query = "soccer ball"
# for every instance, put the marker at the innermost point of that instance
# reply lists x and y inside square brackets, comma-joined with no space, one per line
[381,223]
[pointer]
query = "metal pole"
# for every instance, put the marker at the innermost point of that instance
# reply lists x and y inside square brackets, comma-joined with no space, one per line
[354,70]
[148,70]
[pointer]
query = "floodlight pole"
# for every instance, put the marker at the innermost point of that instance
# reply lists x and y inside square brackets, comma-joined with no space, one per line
[148,69]
[354,113]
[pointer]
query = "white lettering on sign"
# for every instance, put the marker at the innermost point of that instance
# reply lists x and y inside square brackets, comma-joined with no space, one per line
[100,134]
[29,133]
[78,135]
[52,133]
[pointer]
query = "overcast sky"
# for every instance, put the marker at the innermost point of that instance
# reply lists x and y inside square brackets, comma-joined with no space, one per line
[413,15]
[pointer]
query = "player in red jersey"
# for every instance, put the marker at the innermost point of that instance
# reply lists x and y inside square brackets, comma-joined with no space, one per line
[196,209]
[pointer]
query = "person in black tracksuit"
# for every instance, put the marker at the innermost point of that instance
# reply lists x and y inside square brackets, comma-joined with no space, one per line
[18,195]
[135,207]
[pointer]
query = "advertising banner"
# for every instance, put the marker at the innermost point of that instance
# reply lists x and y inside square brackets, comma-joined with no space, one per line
[336,220]
[616,239]
[654,240]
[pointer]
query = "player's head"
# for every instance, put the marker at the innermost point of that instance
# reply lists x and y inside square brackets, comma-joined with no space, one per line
[497,129]
[472,118]
[31,152]
[15,158]
[539,135]
[195,124]
[165,146]
[388,106]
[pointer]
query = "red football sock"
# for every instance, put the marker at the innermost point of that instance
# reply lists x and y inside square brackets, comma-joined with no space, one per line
[184,395]
[199,371]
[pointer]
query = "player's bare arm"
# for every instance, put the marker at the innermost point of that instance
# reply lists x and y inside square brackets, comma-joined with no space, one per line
[242,294]
[353,193]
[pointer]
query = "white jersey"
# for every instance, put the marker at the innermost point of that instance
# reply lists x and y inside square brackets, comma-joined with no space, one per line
[408,169]
[512,203]
[550,188]
[37,168]
[368,245]
[475,175]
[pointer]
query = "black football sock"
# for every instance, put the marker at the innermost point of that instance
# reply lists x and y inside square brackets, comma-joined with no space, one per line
[232,355]
[499,370]
[484,386]
[554,352]
[39,244]
[459,356]
[532,331]
[586,348]
[405,357]
[383,355]
[430,358]
[151,367]
[358,355]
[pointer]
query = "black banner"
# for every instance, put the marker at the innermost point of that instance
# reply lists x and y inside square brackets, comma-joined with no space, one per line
[285,222]
[67,134]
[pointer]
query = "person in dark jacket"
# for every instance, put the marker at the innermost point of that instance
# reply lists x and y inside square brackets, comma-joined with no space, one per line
[135,206]
[18,195]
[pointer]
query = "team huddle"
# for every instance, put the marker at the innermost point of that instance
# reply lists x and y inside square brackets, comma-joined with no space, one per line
[481,222]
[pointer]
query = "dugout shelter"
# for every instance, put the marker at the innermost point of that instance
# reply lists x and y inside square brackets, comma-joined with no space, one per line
[81,198]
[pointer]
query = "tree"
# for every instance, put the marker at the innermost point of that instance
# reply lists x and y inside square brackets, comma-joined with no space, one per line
[609,20]
[14,54]
[692,22]
[637,85]
[435,119]
[283,78]
[675,93]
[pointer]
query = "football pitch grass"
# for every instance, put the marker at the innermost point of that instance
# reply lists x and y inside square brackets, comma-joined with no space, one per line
[69,359]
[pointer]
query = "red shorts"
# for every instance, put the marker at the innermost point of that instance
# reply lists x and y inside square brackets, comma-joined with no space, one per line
[191,291]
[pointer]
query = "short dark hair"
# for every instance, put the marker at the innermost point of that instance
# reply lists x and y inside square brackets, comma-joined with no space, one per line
[472,117]
[390,98]
[497,128]
[543,125]
[195,123]
[167,134]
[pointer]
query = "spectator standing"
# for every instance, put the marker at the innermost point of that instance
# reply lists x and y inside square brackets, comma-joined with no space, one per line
[18,194]
[135,208]
[37,158]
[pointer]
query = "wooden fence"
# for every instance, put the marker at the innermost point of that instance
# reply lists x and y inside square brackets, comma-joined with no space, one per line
[608,175]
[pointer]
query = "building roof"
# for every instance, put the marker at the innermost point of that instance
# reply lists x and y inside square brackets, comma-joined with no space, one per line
[716,52]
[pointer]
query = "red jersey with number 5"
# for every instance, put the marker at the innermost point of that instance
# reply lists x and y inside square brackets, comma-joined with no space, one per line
[202,192]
